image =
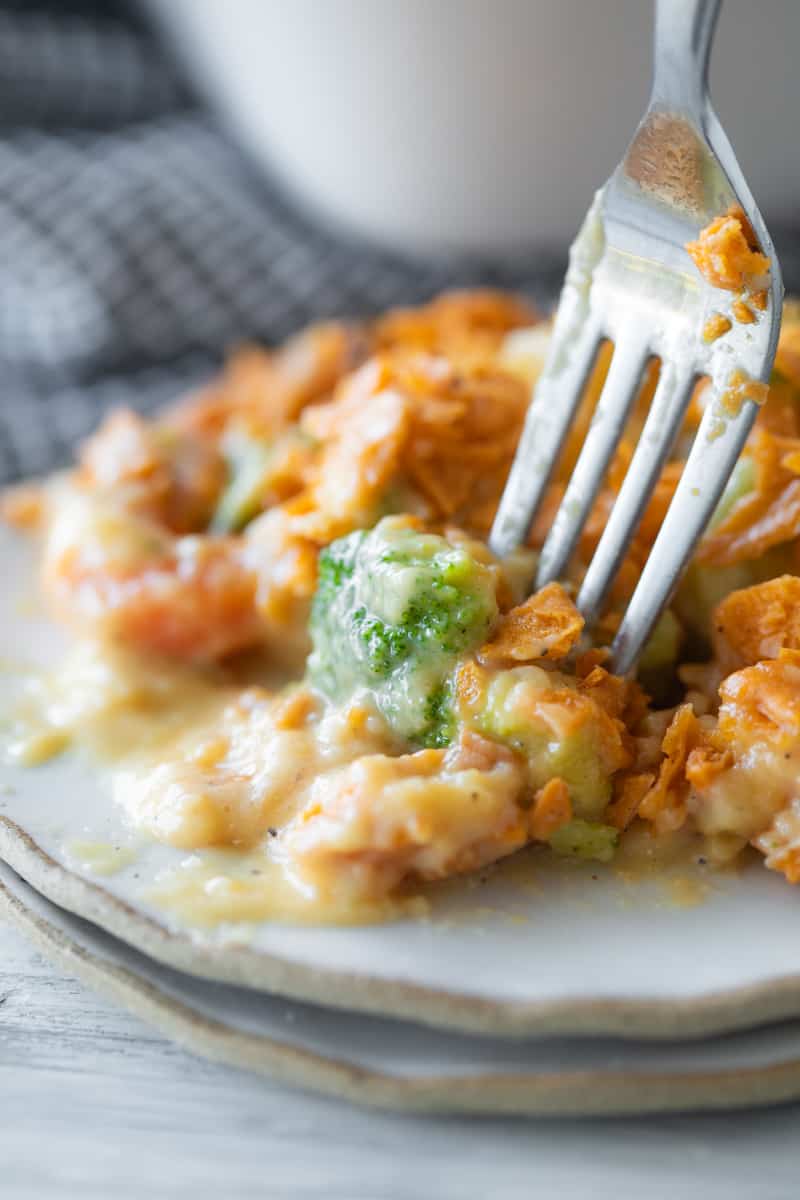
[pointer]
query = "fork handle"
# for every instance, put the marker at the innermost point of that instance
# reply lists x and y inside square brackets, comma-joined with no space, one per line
[682,46]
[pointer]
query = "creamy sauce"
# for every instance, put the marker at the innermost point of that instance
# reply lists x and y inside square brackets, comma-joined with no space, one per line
[99,858]
[228,772]
[687,892]
[168,743]
[218,886]
[676,864]
[31,746]
[105,703]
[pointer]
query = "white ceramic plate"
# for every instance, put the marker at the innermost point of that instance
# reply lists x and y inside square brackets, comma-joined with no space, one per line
[576,951]
[397,1065]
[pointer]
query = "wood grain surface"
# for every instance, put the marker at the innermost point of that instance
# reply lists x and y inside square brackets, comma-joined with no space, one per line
[94,1104]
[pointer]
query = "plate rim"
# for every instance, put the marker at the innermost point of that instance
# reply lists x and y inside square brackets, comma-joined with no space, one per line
[571,1093]
[717,1012]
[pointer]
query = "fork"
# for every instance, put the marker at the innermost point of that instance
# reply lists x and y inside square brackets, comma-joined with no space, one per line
[631,281]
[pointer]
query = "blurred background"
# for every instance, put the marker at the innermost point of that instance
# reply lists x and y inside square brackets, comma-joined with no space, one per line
[177,176]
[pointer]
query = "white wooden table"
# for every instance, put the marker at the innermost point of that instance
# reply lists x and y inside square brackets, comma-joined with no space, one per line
[94,1104]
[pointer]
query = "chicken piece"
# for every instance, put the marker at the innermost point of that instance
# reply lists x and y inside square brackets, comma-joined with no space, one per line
[425,816]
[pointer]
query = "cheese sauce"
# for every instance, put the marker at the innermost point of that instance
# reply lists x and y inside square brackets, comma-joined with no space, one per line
[328,498]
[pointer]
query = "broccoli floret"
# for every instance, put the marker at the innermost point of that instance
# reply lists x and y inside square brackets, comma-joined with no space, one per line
[704,586]
[336,565]
[440,721]
[393,612]
[510,716]
[247,459]
[740,483]
[586,839]
[250,459]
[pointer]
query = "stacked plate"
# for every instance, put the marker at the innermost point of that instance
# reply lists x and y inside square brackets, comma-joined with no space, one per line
[547,989]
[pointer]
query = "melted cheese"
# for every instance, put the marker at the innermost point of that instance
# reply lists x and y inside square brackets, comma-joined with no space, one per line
[220,886]
[99,858]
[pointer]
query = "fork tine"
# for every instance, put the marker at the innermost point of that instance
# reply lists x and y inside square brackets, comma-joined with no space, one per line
[556,399]
[616,399]
[707,469]
[655,442]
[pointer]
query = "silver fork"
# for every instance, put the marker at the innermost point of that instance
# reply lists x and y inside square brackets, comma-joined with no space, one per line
[631,280]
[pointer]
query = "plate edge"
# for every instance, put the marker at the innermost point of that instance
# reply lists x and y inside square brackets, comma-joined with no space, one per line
[572,1093]
[719,1012]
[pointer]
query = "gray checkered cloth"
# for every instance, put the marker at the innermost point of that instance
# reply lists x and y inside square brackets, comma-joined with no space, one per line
[136,242]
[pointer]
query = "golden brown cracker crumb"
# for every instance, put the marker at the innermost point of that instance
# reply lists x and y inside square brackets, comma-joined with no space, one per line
[743,312]
[715,327]
[551,810]
[726,253]
[741,387]
[547,625]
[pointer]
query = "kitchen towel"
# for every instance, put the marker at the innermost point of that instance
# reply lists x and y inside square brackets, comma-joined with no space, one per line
[137,244]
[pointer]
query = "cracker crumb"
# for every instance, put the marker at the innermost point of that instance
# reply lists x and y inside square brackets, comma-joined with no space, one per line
[743,312]
[715,327]
[726,253]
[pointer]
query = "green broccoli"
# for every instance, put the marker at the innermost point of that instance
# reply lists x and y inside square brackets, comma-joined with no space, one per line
[250,459]
[510,715]
[741,482]
[393,613]
[704,586]
[585,839]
